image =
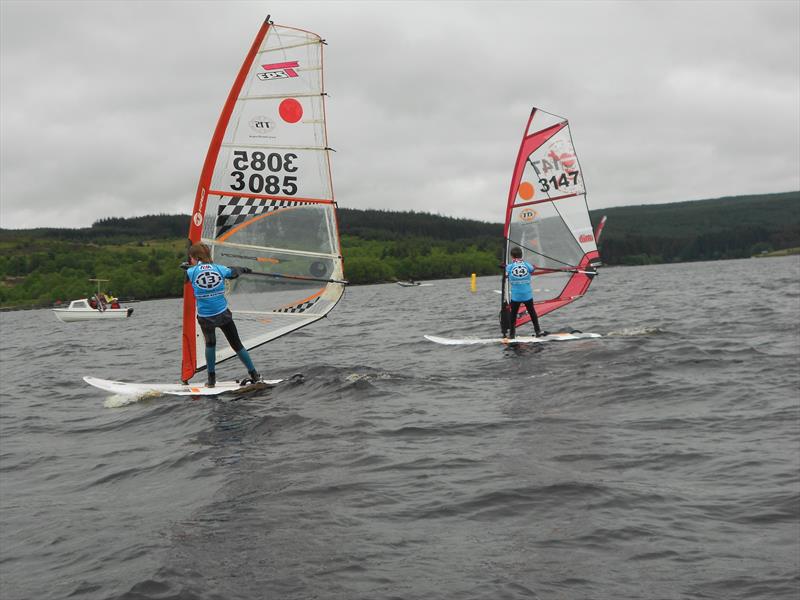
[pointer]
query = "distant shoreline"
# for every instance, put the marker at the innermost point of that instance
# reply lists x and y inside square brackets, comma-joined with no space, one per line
[776,254]
[784,252]
[140,255]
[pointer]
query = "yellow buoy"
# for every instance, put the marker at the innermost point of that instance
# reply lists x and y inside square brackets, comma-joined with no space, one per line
[473,286]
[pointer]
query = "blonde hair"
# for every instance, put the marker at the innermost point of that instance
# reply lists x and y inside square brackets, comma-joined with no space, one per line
[200,252]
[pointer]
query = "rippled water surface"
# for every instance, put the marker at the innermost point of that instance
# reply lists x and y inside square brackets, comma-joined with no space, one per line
[660,461]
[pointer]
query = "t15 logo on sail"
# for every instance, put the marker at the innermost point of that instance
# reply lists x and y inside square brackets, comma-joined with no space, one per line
[261,124]
[262,127]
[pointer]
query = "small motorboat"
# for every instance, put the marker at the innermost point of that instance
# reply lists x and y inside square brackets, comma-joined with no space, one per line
[413,283]
[81,310]
[99,306]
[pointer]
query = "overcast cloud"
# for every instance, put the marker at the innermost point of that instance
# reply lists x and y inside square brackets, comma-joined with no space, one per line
[107,108]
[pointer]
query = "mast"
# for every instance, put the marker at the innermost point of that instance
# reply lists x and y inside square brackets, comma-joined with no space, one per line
[201,196]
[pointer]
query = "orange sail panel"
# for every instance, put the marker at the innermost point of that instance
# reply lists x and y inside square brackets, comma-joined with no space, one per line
[265,197]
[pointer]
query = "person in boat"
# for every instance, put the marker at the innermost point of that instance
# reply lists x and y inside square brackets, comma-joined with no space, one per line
[101,302]
[111,300]
[208,283]
[519,273]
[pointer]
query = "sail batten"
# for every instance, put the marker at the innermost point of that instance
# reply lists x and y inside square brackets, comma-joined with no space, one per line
[271,313]
[266,248]
[277,147]
[223,193]
[547,215]
[521,204]
[290,47]
[279,96]
[265,197]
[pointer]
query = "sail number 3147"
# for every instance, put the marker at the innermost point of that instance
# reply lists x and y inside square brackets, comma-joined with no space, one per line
[257,182]
[559,182]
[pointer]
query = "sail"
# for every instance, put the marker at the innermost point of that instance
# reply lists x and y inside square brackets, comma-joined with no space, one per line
[547,215]
[265,197]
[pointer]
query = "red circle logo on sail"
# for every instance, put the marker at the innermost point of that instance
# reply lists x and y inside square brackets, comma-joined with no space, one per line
[290,110]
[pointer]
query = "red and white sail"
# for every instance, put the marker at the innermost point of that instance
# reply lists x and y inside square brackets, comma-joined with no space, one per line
[265,197]
[547,215]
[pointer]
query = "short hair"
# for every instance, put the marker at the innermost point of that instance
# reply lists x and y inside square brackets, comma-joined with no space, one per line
[516,252]
[200,252]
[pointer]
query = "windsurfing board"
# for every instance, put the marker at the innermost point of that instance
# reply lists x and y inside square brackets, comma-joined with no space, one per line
[177,389]
[551,337]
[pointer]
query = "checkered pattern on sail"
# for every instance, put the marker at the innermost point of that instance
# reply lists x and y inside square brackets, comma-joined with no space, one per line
[298,308]
[234,210]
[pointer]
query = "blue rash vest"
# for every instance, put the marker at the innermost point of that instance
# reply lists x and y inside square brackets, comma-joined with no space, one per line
[519,280]
[208,282]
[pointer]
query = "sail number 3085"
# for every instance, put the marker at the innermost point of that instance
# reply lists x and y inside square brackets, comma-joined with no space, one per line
[257,182]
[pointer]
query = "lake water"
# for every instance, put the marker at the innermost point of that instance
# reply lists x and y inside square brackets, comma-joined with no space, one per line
[661,461]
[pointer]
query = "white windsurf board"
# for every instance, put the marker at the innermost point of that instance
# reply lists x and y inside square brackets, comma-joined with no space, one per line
[551,337]
[176,389]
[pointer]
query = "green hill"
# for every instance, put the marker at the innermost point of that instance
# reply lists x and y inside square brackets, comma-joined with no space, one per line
[730,227]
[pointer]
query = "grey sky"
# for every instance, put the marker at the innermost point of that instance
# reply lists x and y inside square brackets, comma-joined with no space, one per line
[107,108]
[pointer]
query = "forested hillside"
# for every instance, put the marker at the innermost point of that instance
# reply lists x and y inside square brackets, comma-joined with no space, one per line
[731,227]
[140,255]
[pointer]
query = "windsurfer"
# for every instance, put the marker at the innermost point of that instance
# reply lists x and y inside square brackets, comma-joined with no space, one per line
[208,283]
[519,274]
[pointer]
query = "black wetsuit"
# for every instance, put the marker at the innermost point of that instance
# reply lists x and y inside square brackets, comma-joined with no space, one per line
[224,321]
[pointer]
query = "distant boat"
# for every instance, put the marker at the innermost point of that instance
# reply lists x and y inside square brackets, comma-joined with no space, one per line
[96,307]
[413,284]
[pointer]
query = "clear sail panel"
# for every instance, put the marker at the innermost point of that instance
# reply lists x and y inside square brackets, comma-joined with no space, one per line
[544,236]
[266,223]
